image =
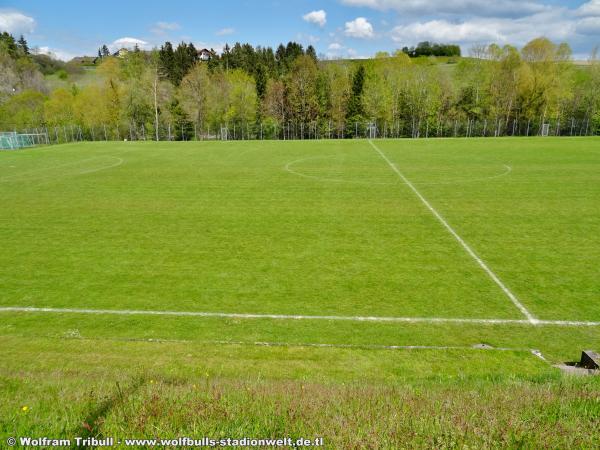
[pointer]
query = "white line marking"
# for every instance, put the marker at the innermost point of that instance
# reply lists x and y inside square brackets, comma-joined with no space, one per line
[131,312]
[18,176]
[460,240]
[60,166]
[118,163]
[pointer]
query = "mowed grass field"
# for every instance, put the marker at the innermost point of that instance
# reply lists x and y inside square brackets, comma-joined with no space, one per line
[438,244]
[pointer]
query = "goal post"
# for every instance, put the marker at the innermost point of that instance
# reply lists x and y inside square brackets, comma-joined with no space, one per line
[545,129]
[224,133]
[12,140]
[372,130]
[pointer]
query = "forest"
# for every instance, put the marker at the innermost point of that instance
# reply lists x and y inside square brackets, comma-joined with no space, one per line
[248,92]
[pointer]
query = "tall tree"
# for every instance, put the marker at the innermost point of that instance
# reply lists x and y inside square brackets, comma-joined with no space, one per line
[355,112]
[338,82]
[167,60]
[8,44]
[182,126]
[194,91]
[226,56]
[544,78]
[261,81]
[301,91]
[310,51]
[274,104]
[22,45]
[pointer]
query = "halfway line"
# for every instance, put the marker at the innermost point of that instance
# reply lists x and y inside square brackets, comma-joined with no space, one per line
[460,240]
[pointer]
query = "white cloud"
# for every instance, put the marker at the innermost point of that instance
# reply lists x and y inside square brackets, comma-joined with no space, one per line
[589,25]
[311,39]
[16,22]
[335,50]
[499,8]
[514,22]
[443,31]
[317,17]
[359,28]
[225,31]
[555,25]
[63,55]
[591,8]
[129,43]
[162,28]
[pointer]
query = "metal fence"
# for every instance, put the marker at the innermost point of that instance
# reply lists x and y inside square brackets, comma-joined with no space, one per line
[430,128]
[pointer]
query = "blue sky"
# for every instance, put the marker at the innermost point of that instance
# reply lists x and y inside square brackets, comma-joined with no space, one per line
[336,28]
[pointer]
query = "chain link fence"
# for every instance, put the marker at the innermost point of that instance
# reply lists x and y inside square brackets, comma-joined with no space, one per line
[269,130]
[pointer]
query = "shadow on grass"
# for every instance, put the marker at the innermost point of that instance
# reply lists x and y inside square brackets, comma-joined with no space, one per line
[92,424]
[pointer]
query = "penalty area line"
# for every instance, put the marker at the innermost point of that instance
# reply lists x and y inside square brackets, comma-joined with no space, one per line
[513,298]
[431,320]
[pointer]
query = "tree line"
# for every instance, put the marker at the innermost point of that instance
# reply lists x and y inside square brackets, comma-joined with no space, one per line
[427,48]
[258,92]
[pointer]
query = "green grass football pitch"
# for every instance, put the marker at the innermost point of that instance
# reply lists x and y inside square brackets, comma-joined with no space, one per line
[304,288]
[449,241]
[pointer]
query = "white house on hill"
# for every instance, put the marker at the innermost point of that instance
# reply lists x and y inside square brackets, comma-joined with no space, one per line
[205,54]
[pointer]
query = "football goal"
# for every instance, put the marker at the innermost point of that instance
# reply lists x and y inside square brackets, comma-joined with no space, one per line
[12,140]
[372,130]
[545,129]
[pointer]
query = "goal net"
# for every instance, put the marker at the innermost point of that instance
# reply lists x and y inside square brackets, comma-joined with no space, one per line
[224,133]
[545,129]
[372,130]
[12,140]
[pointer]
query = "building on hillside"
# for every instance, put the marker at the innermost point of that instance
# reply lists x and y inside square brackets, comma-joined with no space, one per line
[205,54]
[121,53]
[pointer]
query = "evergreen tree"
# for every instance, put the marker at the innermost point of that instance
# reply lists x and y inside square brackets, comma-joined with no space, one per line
[183,59]
[8,42]
[310,51]
[192,55]
[355,110]
[292,51]
[167,60]
[280,58]
[260,79]
[226,56]
[235,57]
[105,50]
[22,45]
[215,61]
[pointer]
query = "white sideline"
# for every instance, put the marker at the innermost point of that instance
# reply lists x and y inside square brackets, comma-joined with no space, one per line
[466,246]
[131,312]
